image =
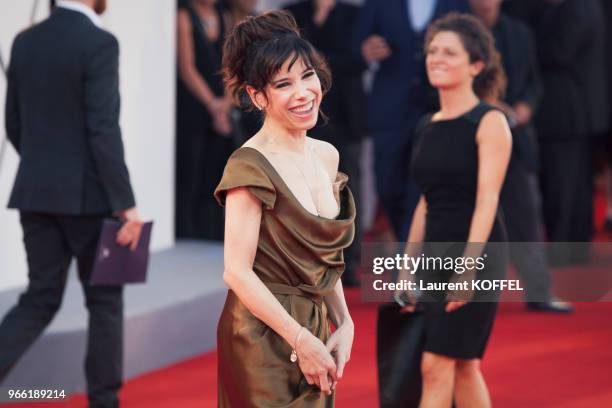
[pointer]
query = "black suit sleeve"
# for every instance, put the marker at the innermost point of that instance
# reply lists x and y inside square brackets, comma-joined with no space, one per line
[342,55]
[11,115]
[333,38]
[565,31]
[102,107]
[365,26]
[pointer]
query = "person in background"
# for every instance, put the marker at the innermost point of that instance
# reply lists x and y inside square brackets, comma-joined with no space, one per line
[235,11]
[389,35]
[202,120]
[328,25]
[71,176]
[289,216]
[520,198]
[460,159]
[605,141]
[245,123]
[570,37]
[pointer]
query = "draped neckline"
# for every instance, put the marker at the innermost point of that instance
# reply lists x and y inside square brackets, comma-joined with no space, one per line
[340,177]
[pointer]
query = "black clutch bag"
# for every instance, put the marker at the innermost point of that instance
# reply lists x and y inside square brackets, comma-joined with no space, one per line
[399,347]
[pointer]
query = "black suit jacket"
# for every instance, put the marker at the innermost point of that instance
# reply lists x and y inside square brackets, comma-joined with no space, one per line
[345,102]
[514,40]
[62,117]
[571,49]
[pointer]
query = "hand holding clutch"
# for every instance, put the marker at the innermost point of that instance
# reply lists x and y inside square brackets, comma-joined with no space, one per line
[130,231]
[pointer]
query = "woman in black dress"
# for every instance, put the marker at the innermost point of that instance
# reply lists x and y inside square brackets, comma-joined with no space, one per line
[460,160]
[202,119]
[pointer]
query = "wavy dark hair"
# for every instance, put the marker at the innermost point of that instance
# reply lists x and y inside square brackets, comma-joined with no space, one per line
[256,49]
[478,41]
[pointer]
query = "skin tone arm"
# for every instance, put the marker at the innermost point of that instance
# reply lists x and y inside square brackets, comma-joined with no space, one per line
[416,235]
[243,218]
[186,65]
[494,147]
[322,10]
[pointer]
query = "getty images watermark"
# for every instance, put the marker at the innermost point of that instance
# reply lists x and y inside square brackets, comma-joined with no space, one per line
[436,264]
[485,272]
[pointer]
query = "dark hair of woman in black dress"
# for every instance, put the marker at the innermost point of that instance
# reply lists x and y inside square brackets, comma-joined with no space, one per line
[478,41]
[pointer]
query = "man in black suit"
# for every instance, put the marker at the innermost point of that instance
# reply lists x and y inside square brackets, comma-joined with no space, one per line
[390,34]
[520,197]
[62,117]
[570,37]
[328,25]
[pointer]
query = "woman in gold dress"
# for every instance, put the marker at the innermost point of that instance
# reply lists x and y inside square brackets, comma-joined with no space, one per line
[289,215]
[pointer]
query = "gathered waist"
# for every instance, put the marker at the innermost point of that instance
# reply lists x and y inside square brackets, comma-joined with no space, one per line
[283,289]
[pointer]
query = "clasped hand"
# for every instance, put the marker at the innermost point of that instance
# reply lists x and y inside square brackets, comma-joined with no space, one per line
[317,362]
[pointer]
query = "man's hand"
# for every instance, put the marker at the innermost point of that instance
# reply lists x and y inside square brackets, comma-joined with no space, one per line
[522,113]
[129,234]
[454,305]
[375,48]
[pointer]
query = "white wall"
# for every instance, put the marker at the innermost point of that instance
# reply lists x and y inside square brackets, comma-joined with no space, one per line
[146,33]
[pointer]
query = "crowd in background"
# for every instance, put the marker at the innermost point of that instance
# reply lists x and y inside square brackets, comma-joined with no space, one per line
[554,55]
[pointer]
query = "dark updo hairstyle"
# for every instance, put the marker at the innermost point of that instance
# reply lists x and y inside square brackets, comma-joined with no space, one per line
[256,49]
[477,40]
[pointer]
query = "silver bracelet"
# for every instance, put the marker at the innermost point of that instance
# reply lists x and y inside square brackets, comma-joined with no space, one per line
[293,358]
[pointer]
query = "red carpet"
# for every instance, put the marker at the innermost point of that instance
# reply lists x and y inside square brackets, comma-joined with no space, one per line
[533,360]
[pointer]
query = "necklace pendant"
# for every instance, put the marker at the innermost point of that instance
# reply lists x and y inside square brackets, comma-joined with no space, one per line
[293,357]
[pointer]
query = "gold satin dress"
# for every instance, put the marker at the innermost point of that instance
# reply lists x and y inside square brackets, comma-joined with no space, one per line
[299,258]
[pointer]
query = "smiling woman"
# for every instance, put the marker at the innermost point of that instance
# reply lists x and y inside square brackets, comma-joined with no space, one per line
[461,154]
[289,215]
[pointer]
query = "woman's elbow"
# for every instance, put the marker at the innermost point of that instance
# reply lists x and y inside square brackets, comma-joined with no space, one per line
[234,275]
[229,277]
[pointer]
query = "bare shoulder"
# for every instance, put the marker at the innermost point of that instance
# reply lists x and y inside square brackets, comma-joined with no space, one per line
[494,128]
[328,154]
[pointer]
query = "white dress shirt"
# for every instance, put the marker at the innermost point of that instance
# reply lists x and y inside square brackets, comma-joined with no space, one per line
[81,8]
[420,13]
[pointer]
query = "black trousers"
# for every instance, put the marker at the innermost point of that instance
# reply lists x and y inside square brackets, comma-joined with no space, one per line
[521,206]
[397,193]
[567,185]
[567,193]
[51,241]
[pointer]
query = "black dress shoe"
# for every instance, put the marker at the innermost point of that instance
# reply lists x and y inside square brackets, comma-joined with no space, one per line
[551,306]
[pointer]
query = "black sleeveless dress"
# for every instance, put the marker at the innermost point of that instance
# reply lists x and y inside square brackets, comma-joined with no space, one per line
[201,153]
[445,167]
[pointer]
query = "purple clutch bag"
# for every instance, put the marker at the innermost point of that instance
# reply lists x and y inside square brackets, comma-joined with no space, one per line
[116,264]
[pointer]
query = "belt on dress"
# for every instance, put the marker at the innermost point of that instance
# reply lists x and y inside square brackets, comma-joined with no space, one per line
[282,289]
